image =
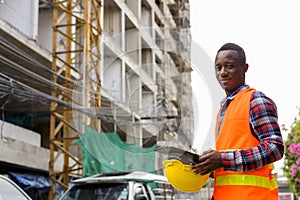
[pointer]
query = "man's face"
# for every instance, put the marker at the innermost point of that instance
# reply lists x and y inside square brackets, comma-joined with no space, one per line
[230,71]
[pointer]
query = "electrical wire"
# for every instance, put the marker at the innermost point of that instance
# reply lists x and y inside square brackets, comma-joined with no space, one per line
[109,110]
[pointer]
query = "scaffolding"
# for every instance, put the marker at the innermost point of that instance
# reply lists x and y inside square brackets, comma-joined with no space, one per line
[76,57]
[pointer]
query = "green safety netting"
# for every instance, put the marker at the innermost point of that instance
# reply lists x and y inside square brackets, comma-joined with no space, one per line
[106,152]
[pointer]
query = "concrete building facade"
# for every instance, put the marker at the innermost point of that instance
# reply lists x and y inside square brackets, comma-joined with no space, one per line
[145,75]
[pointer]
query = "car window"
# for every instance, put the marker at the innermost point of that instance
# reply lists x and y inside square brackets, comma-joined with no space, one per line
[140,192]
[163,191]
[107,191]
[8,191]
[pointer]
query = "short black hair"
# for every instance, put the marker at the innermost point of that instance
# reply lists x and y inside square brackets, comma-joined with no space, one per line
[235,47]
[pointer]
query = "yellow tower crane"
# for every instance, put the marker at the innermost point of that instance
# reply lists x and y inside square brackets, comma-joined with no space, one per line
[76,58]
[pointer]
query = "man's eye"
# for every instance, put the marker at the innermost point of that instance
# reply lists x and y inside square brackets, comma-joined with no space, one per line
[229,66]
[218,67]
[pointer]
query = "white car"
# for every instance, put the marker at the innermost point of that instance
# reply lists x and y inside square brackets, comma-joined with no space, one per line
[118,186]
[11,191]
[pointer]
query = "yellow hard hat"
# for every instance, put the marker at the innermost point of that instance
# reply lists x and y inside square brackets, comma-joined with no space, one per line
[182,178]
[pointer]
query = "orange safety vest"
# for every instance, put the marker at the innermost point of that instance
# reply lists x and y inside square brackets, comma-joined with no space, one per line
[235,133]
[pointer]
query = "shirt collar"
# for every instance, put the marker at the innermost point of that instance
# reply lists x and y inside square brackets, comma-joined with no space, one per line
[234,93]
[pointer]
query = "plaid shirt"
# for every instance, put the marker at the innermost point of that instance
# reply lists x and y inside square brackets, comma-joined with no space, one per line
[264,127]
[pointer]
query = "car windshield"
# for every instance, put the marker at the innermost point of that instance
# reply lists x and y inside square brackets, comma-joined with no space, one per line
[104,191]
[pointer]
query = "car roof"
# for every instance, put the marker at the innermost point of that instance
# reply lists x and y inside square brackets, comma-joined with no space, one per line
[117,177]
[13,184]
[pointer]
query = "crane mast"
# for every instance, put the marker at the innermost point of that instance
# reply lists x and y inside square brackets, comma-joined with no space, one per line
[76,59]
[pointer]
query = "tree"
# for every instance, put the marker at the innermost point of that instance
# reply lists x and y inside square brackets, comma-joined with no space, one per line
[292,158]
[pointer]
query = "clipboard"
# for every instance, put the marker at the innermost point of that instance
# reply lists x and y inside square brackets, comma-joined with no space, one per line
[185,157]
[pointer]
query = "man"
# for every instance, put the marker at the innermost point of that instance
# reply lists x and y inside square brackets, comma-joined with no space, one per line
[248,137]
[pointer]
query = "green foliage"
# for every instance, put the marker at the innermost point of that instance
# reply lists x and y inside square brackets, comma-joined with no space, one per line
[292,158]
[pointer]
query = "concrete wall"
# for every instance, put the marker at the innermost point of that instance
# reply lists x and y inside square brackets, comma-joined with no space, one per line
[133,45]
[148,105]
[147,61]
[24,154]
[134,6]
[147,19]
[45,31]
[14,132]
[21,14]
[112,79]
[112,24]
[22,147]
[134,92]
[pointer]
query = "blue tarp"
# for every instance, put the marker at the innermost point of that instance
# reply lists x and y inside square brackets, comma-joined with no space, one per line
[36,186]
[31,180]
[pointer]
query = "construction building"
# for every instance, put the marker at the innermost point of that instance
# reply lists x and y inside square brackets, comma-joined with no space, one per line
[119,68]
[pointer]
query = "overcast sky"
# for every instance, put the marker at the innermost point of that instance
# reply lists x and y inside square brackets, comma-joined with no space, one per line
[270,35]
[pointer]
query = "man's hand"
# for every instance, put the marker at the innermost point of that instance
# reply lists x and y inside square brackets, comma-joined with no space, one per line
[208,162]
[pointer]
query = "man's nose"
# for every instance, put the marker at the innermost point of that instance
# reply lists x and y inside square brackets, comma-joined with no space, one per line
[223,71]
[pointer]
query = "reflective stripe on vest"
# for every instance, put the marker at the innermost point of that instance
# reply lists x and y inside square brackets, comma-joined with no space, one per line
[247,180]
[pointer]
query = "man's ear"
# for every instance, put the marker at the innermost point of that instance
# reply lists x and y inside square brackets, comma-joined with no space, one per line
[245,68]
